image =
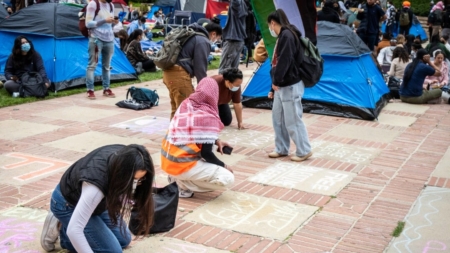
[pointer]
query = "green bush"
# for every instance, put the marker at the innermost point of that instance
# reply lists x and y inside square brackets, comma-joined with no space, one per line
[419,7]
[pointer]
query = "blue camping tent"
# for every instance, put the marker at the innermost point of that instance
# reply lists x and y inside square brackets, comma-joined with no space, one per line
[53,29]
[351,85]
[416,30]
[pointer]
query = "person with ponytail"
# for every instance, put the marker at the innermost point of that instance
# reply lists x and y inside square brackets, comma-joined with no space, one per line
[411,90]
[287,110]
[95,195]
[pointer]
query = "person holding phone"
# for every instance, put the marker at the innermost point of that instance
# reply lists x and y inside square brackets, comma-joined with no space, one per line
[187,149]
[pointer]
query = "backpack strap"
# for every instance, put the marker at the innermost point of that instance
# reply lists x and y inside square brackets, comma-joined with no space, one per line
[97,9]
[128,92]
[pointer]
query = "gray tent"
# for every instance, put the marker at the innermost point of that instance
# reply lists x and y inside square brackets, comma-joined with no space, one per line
[3,12]
[337,39]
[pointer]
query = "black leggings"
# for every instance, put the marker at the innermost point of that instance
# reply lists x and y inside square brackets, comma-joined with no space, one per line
[225,114]
[149,66]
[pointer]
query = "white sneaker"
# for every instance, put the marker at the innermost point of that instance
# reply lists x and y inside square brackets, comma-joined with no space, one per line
[185,193]
[50,232]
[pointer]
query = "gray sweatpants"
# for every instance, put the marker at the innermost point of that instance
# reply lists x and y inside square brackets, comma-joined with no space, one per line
[231,53]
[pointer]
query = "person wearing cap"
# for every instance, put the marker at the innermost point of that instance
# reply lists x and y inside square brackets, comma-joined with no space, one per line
[405,18]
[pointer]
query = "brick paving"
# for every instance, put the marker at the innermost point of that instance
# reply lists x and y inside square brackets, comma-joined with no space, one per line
[359,218]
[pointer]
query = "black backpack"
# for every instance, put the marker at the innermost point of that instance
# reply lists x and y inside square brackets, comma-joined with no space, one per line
[32,85]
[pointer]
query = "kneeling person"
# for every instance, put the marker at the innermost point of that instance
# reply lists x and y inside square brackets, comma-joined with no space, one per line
[230,90]
[187,150]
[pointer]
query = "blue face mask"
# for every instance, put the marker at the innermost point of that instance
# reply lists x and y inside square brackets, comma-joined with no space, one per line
[234,89]
[26,47]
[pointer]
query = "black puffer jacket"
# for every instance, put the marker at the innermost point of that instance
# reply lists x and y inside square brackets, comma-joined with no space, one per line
[93,168]
[289,56]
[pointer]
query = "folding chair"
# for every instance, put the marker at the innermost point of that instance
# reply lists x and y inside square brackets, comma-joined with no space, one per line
[180,18]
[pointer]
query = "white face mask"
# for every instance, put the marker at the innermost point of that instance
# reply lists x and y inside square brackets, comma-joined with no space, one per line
[135,182]
[234,89]
[272,32]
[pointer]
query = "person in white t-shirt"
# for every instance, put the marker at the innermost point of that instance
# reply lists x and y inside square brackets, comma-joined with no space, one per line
[117,25]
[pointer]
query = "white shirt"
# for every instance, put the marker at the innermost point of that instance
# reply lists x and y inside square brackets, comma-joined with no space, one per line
[385,55]
[90,197]
[117,27]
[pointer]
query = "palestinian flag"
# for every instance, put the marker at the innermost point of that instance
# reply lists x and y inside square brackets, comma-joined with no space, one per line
[301,13]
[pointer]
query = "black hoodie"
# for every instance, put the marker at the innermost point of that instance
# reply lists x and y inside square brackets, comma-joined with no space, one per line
[289,56]
[193,56]
[328,13]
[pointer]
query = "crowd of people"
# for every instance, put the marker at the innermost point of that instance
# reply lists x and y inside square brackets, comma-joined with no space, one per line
[92,199]
[397,56]
[94,195]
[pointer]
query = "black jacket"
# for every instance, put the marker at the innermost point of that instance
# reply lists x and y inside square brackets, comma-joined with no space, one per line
[193,56]
[328,14]
[36,65]
[289,56]
[446,19]
[93,168]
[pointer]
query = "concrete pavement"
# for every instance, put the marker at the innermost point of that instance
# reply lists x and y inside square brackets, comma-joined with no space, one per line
[364,178]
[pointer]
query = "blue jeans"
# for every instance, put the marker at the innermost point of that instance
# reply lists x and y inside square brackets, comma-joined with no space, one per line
[287,112]
[101,235]
[106,51]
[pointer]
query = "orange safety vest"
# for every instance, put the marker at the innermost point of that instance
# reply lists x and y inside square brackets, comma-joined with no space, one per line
[176,160]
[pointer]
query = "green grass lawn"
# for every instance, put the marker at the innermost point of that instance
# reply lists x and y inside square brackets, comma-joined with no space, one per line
[7,100]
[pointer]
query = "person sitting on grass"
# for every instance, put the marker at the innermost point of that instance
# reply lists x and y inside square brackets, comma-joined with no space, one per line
[23,59]
[140,24]
[135,54]
[411,90]
[187,149]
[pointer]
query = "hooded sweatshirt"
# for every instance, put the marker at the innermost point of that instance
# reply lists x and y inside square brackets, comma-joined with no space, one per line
[193,56]
[328,13]
[235,27]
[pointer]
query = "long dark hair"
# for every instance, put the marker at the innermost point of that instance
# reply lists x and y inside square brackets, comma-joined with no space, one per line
[123,36]
[19,60]
[400,52]
[409,43]
[435,40]
[412,66]
[136,33]
[280,17]
[122,167]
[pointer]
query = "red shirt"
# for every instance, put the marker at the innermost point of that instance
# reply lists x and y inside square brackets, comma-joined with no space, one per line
[225,94]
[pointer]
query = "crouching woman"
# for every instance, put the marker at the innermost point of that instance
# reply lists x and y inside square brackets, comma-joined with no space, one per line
[187,150]
[23,59]
[88,206]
